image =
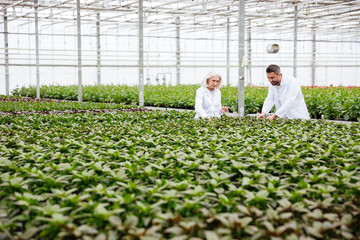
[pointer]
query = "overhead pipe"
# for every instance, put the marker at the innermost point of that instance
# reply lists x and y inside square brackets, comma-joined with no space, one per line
[42,9]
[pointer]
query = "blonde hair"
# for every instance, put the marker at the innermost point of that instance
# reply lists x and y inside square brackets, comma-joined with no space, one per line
[204,82]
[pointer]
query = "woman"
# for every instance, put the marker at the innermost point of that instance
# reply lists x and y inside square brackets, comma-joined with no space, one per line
[208,98]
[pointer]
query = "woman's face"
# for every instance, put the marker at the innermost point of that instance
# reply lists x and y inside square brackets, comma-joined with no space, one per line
[213,82]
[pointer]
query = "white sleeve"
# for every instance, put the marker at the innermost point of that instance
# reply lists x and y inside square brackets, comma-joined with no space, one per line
[219,103]
[294,90]
[269,101]
[199,104]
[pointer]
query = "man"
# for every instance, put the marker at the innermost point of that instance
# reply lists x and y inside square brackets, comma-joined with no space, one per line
[285,93]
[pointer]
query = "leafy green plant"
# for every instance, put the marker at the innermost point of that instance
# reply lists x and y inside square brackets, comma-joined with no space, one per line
[28,104]
[163,175]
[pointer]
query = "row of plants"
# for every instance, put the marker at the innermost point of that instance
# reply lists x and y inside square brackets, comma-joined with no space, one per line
[12,104]
[181,96]
[164,175]
[329,102]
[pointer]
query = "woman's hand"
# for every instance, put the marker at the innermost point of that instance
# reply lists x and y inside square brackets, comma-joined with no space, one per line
[224,109]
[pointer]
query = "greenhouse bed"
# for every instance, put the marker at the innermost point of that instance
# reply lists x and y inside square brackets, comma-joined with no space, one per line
[164,175]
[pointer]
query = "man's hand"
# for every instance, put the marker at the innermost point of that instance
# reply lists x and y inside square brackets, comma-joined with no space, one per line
[262,115]
[272,117]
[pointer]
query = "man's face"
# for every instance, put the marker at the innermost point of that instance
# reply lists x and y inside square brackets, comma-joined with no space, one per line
[213,82]
[274,79]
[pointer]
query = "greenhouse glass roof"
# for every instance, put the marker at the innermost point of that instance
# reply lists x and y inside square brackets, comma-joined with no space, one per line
[325,17]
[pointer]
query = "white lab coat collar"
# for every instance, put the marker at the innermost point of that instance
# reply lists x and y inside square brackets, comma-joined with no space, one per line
[283,81]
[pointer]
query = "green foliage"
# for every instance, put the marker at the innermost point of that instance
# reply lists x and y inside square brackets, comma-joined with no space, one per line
[331,102]
[15,104]
[97,93]
[163,175]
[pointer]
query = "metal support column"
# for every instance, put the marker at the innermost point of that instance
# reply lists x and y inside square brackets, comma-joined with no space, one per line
[6,48]
[37,51]
[295,39]
[228,50]
[78,20]
[313,64]
[98,48]
[241,44]
[141,55]
[178,50]
[249,54]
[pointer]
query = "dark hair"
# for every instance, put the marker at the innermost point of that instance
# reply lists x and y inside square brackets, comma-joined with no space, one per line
[273,68]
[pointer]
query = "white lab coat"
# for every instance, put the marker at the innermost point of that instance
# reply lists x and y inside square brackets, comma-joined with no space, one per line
[207,104]
[288,100]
